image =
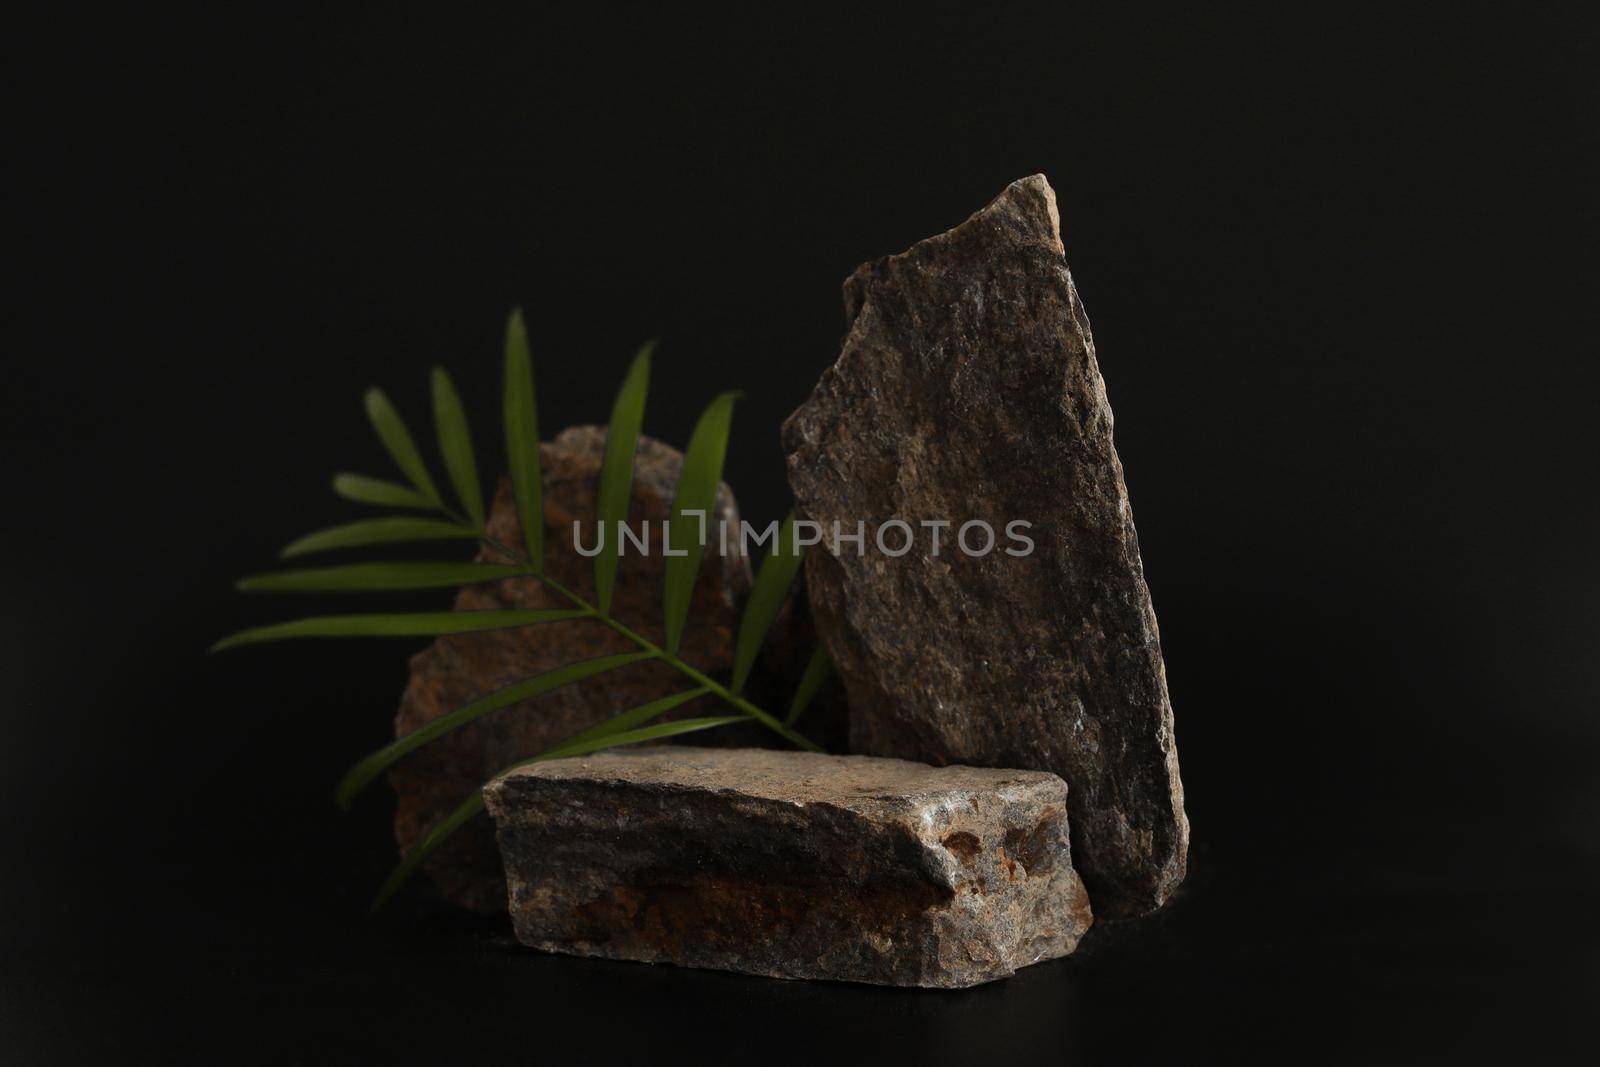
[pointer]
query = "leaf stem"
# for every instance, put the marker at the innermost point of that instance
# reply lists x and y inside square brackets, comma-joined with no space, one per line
[765,718]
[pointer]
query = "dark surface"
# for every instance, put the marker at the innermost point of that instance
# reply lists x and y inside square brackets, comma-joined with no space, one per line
[1342,276]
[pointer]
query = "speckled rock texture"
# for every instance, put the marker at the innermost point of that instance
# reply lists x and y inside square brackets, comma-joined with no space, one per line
[791,864]
[457,670]
[967,389]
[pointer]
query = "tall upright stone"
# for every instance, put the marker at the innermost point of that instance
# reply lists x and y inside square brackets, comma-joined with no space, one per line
[967,389]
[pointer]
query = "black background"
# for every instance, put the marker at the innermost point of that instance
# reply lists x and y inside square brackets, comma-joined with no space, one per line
[1341,267]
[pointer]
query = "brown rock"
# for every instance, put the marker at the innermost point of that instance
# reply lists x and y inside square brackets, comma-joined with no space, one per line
[967,389]
[457,670]
[791,864]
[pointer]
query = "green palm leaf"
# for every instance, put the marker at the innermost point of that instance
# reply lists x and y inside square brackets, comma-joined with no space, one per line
[455,444]
[772,585]
[397,440]
[377,532]
[522,439]
[365,490]
[397,624]
[817,670]
[378,577]
[695,495]
[369,768]
[640,715]
[616,472]
[464,812]
[697,492]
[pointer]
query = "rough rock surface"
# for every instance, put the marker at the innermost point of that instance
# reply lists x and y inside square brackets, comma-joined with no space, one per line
[456,670]
[791,864]
[967,389]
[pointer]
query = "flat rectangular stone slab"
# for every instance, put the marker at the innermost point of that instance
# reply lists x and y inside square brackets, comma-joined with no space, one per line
[791,864]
